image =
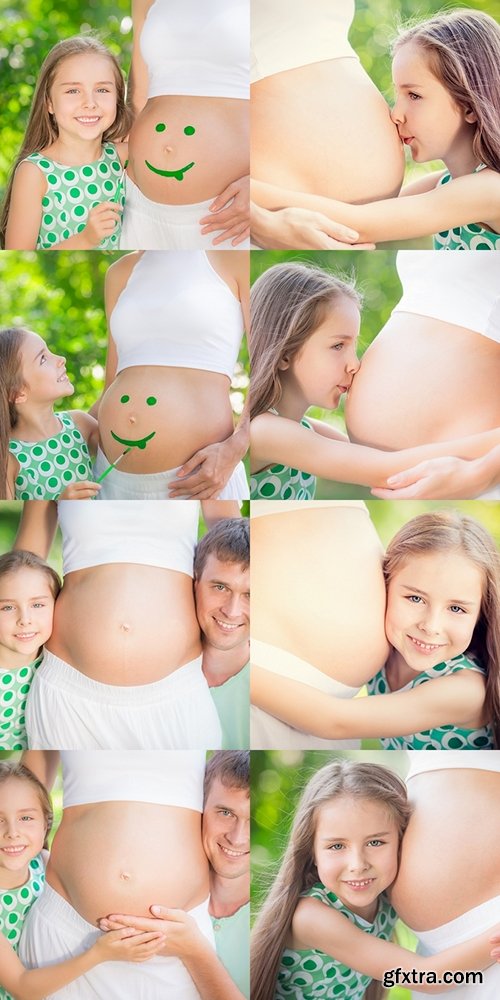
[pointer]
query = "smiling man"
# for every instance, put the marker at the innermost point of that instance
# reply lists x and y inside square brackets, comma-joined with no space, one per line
[222,595]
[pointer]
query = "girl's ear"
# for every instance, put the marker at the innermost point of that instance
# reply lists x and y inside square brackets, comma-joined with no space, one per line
[21,396]
[470,116]
[284,363]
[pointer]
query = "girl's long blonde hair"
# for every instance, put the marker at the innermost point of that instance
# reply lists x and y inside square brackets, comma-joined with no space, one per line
[463,53]
[41,129]
[11,383]
[451,531]
[297,871]
[287,304]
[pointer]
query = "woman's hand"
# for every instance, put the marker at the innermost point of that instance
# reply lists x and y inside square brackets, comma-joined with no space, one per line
[230,214]
[177,928]
[127,944]
[445,478]
[301,229]
[206,473]
[84,490]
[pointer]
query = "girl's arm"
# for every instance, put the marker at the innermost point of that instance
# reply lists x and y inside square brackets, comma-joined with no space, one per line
[116,278]
[469,199]
[452,700]
[35,984]
[277,439]
[25,212]
[317,926]
[137,91]
[37,527]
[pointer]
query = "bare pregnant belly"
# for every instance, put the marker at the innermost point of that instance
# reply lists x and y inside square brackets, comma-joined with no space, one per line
[166,414]
[312,573]
[449,860]
[126,623]
[187,149]
[121,857]
[325,129]
[424,380]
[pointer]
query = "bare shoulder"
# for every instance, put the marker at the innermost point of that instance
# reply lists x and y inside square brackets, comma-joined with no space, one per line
[121,151]
[85,422]
[118,274]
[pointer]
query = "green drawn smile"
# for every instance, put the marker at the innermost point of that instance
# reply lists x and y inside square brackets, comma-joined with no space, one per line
[133,444]
[178,174]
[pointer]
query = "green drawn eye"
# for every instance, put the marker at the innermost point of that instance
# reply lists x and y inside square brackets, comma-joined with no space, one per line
[151,401]
[160,127]
[124,399]
[189,130]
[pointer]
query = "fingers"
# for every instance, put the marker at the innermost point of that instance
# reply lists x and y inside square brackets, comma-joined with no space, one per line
[413,492]
[221,200]
[84,490]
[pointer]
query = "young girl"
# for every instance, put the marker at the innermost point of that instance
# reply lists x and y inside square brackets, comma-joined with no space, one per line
[304,327]
[324,929]
[25,821]
[443,623]
[65,191]
[28,590]
[44,455]
[447,79]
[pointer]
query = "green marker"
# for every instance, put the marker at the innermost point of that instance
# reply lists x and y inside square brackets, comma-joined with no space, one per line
[113,465]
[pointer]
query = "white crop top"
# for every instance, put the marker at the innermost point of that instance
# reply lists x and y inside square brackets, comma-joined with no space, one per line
[422,761]
[176,311]
[286,34]
[123,531]
[262,508]
[199,48]
[163,777]
[463,289]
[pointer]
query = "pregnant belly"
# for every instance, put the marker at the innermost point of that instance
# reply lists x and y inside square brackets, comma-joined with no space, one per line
[312,571]
[164,415]
[335,127]
[423,380]
[126,624]
[448,866]
[187,149]
[121,857]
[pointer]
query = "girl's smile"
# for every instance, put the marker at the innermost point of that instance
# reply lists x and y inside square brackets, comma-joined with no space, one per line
[433,604]
[428,119]
[22,831]
[356,847]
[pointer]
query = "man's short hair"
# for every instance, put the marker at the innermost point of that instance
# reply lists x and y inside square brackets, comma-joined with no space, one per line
[228,540]
[232,767]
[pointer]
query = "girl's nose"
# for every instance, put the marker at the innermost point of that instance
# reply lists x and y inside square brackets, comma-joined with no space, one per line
[24,617]
[397,115]
[357,861]
[353,365]
[61,362]
[431,623]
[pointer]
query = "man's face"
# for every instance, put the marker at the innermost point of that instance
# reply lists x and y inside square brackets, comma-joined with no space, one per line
[226,829]
[222,596]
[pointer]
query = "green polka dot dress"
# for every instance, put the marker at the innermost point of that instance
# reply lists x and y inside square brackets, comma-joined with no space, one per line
[47,467]
[73,191]
[280,482]
[15,905]
[441,737]
[311,974]
[14,688]
[471,237]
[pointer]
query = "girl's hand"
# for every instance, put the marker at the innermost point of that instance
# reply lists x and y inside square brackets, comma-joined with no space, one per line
[234,218]
[101,222]
[128,945]
[302,229]
[179,930]
[437,478]
[84,490]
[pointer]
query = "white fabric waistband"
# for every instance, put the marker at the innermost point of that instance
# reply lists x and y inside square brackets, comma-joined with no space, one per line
[120,485]
[465,926]
[177,685]
[284,664]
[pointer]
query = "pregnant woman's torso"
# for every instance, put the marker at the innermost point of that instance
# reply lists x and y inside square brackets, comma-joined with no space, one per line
[128,622]
[449,859]
[191,139]
[123,856]
[318,589]
[432,373]
[179,311]
[318,123]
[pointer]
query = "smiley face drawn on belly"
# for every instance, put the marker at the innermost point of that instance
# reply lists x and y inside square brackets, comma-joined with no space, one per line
[179,173]
[136,442]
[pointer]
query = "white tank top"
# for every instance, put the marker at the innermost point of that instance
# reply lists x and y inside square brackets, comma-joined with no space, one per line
[463,288]
[287,34]
[197,47]
[422,761]
[176,311]
[146,532]
[163,777]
